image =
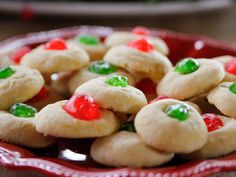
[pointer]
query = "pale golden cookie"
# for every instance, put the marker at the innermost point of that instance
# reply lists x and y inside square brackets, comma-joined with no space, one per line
[229,77]
[53,120]
[123,38]
[219,142]
[223,98]
[126,149]
[184,86]
[21,131]
[51,96]
[51,61]
[120,99]
[19,87]
[5,57]
[169,134]
[153,65]
[84,75]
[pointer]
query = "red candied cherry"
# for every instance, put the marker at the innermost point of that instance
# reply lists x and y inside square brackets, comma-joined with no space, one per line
[230,66]
[82,107]
[147,86]
[140,30]
[18,54]
[43,93]
[142,45]
[160,97]
[56,44]
[212,122]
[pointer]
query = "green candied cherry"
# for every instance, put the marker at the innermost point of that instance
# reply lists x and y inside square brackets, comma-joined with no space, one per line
[117,81]
[88,39]
[177,111]
[23,110]
[232,88]
[187,66]
[6,72]
[102,67]
[128,126]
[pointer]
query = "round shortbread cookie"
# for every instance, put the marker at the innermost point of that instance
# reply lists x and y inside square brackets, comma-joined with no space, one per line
[53,120]
[169,134]
[126,149]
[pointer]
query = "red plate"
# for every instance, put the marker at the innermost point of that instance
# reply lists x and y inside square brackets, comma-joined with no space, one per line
[71,157]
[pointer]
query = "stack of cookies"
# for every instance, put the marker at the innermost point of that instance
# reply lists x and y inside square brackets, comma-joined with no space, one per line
[125,93]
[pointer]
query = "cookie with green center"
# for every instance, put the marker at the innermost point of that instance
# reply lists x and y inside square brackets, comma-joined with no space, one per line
[18,127]
[190,78]
[91,44]
[123,38]
[18,84]
[126,149]
[66,58]
[220,141]
[172,126]
[119,95]
[224,98]
[95,70]
[139,58]
[229,64]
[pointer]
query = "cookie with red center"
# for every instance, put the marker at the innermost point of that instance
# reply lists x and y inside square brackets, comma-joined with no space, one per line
[17,125]
[124,37]
[120,96]
[17,55]
[126,148]
[140,58]
[95,70]
[191,77]
[78,117]
[229,64]
[91,44]
[45,96]
[55,56]
[166,124]
[223,97]
[220,141]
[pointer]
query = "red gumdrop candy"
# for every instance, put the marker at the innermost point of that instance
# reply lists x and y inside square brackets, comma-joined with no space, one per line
[160,97]
[141,30]
[230,66]
[43,93]
[212,122]
[147,86]
[56,44]
[141,44]
[82,107]
[18,54]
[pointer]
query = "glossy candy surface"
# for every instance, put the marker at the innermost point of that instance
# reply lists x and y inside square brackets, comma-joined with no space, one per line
[212,122]
[88,39]
[187,66]
[177,111]
[117,81]
[82,107]
[6,72]
[230,66]
[232,88]
[23,110]
[56,44]
[102,67]
[141,44]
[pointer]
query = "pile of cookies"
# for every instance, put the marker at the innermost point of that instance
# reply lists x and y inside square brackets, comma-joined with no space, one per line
[84,87]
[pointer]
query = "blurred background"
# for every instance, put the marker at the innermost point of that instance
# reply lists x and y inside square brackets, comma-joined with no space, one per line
[214,18]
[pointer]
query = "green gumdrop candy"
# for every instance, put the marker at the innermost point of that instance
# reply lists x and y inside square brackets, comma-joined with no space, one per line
[232,88]
[88,40]
[128,126]
[6,72]
[117,81]
[102,67]
[23,110]
[177,111]
[187,66]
